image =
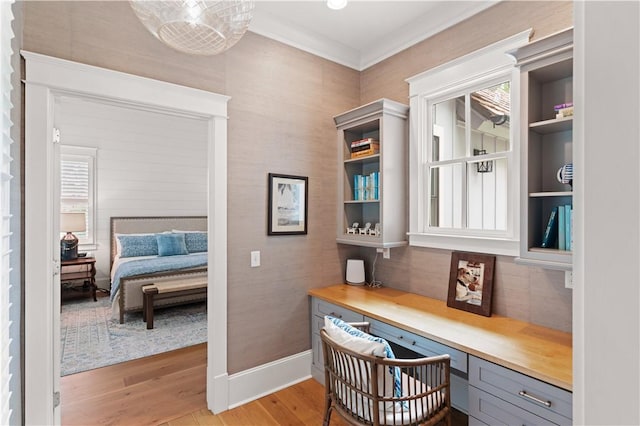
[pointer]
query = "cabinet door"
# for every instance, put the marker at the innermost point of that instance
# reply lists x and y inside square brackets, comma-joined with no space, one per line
[494,411]
[532,395]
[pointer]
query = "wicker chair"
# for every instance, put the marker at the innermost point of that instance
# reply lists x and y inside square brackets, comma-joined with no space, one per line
[425,382]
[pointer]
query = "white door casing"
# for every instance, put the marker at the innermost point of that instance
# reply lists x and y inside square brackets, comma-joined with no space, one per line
[46,79]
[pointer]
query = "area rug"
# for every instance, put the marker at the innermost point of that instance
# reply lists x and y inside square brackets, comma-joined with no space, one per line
[91,339]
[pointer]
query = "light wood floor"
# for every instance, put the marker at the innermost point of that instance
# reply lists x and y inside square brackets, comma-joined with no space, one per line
[169,390]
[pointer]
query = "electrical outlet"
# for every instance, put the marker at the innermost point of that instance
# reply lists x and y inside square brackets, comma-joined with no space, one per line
[255,259]
[386,252]
[568,279]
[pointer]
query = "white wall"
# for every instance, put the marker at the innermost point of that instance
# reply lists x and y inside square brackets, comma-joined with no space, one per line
[148,164]
[607,205]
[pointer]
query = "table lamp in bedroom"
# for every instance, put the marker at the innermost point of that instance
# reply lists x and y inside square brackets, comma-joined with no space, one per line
[69,223]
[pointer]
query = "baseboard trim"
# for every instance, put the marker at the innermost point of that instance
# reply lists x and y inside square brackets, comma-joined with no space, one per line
[257,382]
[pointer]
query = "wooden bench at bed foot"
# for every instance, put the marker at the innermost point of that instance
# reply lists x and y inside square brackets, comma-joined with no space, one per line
[167,289]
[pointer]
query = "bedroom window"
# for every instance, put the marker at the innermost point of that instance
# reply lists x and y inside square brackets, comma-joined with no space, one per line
[464,169]
[77,188]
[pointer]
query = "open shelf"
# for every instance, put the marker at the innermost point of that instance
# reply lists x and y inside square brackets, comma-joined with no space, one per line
[372,189]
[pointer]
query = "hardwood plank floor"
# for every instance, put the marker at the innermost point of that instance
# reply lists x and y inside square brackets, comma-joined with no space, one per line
[169,390]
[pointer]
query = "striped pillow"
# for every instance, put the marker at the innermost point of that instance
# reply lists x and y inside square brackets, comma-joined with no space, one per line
[386,348]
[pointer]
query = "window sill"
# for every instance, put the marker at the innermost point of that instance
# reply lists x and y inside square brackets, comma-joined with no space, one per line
[87,247]
[498,246]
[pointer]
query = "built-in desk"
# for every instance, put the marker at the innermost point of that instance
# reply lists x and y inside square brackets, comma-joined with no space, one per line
[511,363]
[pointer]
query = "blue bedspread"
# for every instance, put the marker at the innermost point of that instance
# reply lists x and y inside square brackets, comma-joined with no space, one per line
[156,264]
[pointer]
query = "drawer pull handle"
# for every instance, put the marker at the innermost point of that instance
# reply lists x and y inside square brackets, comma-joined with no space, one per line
[534,399]
[401,337]
[333,314]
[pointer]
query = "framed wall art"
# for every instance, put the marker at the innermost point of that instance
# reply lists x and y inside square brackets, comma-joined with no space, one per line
[471,282]
[288,201]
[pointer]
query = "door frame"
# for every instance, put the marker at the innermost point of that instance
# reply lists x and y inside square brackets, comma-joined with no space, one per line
[46,78]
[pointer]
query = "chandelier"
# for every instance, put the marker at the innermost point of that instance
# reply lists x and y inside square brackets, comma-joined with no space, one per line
[197,27]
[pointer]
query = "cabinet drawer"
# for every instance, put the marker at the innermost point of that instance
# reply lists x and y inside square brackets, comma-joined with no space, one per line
[494,411]
[321,308]
[419,344]
[538,397]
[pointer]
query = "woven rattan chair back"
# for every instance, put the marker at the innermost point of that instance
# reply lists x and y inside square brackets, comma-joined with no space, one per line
[361,388]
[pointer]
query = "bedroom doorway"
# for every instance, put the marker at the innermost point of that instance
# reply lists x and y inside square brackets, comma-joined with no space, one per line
[48,79]
[117,160]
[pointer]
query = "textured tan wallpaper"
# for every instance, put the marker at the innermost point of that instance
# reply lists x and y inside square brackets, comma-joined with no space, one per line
[281,120]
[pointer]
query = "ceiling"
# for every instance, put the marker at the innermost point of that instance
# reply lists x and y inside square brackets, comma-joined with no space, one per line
[363,33]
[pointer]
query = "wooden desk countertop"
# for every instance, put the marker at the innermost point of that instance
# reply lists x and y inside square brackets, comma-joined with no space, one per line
[542,353]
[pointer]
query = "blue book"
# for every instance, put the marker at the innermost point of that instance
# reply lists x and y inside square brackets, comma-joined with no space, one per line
[567,228]
[366,188]
[571,234]
[374,185]
[549,235]
[356,186]
[562,245]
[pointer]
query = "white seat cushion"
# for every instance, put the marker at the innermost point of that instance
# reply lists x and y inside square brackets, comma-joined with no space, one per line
[409,412]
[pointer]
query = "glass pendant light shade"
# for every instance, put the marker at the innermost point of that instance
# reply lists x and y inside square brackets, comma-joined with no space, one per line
[197,27]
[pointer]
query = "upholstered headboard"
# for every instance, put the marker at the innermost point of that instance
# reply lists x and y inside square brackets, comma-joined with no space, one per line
[143,225]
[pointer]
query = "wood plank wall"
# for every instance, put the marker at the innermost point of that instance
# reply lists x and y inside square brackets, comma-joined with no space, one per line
[147,164]
[280,120]
[530,294]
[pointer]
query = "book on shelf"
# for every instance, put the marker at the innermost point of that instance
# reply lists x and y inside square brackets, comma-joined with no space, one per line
[362,142]
[357,187]
[365,153]
[568,226]
[571,233]
[365,147]
[550,232]
[366,187]
[562,244]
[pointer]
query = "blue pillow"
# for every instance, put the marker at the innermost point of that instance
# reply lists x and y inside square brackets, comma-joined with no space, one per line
[171,244]
[196,241]
[138,245]
[388,352]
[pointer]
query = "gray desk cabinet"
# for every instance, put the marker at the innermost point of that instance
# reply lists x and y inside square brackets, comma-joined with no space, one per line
[320,308]
[498,395]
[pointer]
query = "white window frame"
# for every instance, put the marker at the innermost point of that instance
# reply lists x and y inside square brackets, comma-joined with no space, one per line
[81,153]
[476,70]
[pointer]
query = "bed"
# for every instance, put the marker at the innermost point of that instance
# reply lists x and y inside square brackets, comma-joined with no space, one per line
[133,263]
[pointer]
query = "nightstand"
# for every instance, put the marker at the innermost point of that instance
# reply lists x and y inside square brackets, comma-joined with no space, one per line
[80,269]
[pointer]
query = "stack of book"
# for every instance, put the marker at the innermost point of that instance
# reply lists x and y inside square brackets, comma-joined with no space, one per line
[559,231]
[365,187]
[364,147]
[563,110]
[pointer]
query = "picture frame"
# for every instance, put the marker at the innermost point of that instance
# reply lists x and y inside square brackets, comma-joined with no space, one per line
[471,282]
[288,203]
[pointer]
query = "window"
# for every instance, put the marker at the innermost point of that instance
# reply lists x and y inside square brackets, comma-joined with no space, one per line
[464,168]
[467,168]
[77,188]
